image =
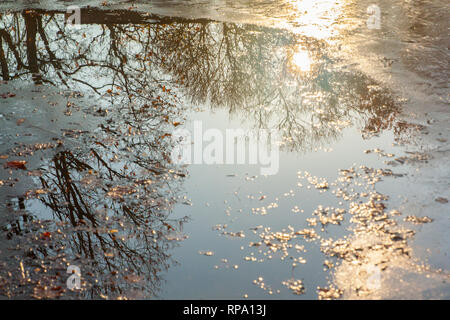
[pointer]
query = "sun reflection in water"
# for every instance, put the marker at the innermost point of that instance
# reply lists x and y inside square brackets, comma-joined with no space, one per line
[316,19]
[301,60]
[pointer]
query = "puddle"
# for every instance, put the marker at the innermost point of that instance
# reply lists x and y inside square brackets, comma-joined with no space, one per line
[88,115]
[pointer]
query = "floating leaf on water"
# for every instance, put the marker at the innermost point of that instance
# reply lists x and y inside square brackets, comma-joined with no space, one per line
[8,95]
[133,278]
[441,200]
[17,164]
[34,173]
[46,292]
[295,285]
[120,191]
[239,234]
[395,212]
[322,185]
[206,253]
[46,235]
[329,293]
[35,193]
[168,226]
[415,219]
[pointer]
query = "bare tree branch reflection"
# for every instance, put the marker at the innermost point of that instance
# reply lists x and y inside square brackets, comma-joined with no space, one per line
[110,199]
[245,68]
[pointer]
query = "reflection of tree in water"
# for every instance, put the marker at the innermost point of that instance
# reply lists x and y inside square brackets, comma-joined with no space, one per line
[245,68]
[117,221]
[111,200]
[249,70]
[114,195]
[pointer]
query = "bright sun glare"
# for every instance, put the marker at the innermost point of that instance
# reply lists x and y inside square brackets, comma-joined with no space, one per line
[302,60]
[316,19]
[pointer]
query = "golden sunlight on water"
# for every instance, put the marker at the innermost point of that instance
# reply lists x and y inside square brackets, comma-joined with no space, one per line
[316,19]
[301,60]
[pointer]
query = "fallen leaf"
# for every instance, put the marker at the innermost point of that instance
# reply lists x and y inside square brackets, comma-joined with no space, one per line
[441,200]
[44,292]
[133,278]
[8,95]
[168,226]
[46,235]
[17,164]
[415,219]
[34,173]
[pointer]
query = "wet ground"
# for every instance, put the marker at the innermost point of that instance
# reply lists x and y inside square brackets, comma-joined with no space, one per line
[358,209]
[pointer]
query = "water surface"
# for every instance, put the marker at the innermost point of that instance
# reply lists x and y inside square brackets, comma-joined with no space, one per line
[362,178]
